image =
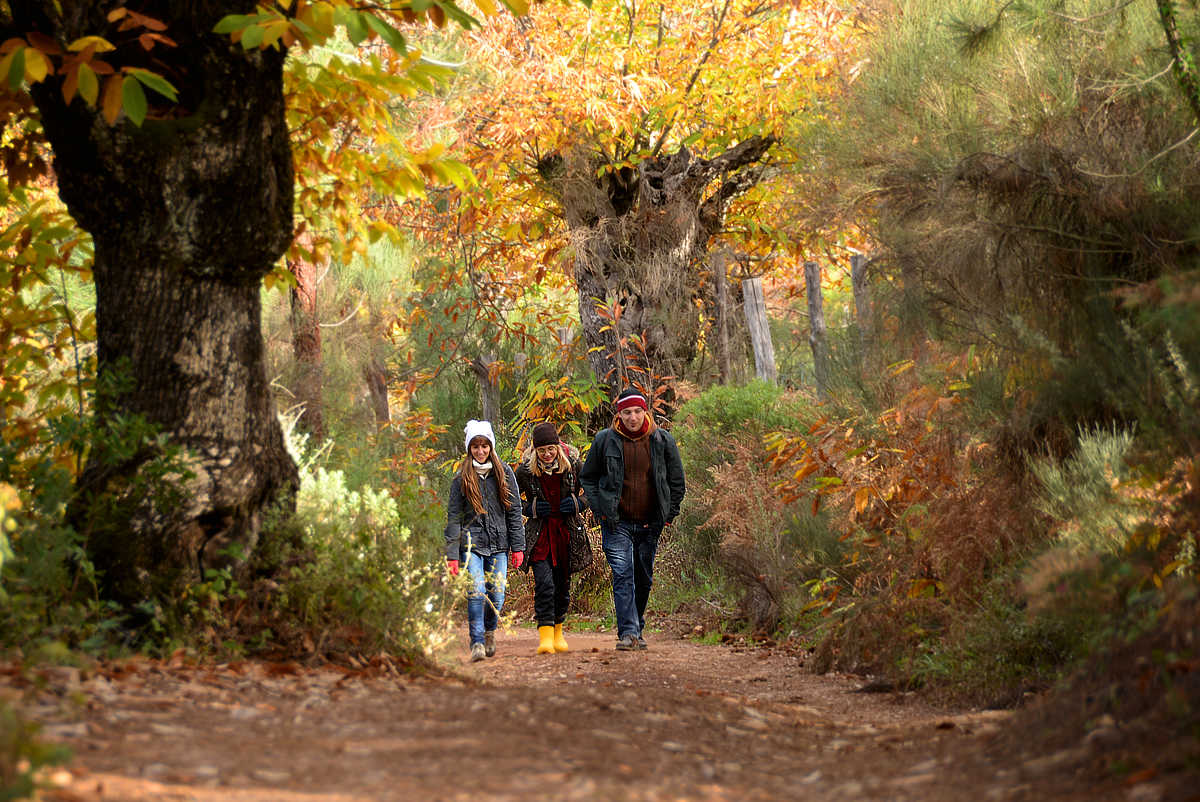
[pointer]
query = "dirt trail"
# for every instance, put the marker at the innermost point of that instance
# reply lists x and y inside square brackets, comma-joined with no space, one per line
[681,721]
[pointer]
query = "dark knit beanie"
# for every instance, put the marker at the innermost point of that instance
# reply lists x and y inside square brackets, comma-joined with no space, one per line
[544,434]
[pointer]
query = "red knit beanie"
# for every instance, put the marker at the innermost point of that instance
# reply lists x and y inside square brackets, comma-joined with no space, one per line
[630,397]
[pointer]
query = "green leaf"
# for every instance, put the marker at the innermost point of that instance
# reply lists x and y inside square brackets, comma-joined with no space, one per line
[521,7]
[252,37]
[455,172]
[393,37]
[133,100]
[232,22]
[154,81]
[16,69]
[458,15]
[89,85]
[356,26]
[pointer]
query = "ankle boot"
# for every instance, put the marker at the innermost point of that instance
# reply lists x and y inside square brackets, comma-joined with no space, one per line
[546,634]
[560,643]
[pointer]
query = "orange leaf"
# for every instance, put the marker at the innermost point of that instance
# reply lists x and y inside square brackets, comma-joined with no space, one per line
[111,105]
[862,497]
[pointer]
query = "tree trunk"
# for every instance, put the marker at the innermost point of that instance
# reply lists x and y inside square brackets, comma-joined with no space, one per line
[481,366]
[862,301]
[816,328]
[720,263]
[641,240]
[376,378]
[187,215]
[306,348]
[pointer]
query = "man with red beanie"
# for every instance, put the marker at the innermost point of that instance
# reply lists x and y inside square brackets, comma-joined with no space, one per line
[633,479]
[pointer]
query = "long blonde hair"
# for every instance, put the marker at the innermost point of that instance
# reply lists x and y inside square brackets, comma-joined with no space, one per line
[470,480]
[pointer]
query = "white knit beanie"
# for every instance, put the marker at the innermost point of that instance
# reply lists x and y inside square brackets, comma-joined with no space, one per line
[478,428]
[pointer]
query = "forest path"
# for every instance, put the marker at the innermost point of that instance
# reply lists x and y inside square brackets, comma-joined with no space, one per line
[680,721]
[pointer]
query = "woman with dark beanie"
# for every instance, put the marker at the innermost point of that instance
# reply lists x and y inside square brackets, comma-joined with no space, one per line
[549,483]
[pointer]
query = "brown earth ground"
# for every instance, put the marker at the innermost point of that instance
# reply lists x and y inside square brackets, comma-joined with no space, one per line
[680,721]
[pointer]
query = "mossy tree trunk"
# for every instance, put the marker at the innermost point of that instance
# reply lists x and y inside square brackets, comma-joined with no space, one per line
[641,240]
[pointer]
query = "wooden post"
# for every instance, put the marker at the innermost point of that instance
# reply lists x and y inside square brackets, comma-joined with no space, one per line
[760,331]
[720,263]
[816,327]
[862,300]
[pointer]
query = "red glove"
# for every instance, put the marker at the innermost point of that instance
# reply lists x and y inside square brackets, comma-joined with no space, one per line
[453,566]
[518,558]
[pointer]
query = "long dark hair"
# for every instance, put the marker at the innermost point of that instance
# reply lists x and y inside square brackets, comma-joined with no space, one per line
[470,479]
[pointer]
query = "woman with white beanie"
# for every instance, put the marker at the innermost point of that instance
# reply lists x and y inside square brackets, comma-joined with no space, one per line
[483,524]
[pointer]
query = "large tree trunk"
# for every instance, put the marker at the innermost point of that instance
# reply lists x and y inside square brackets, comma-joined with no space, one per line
[641,239]
[187,215]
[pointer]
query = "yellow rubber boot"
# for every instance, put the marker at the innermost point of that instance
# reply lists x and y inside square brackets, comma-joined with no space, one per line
[547,640]
[560,643]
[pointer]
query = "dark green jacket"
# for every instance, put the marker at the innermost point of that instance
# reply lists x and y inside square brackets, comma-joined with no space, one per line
[603,474]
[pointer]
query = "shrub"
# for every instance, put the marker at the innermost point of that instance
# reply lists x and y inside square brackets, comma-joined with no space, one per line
[23,757]
[723,424]
[356,572]
[1083,494]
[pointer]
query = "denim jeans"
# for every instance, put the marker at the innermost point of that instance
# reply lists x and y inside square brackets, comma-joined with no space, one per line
[486,597]
[630,548]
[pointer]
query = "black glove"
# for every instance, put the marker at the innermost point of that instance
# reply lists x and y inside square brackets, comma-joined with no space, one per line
[542,508]
[567,506]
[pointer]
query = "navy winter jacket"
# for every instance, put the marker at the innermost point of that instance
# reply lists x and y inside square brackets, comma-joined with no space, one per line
[497,530]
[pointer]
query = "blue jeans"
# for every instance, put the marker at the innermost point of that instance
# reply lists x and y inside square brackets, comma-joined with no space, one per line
[630,548]
[486,597]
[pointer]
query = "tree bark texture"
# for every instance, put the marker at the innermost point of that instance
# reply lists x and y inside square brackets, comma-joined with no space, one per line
[641,238]
[376,378]
[720,263]
[187,214]
[816,328]
[481,367]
